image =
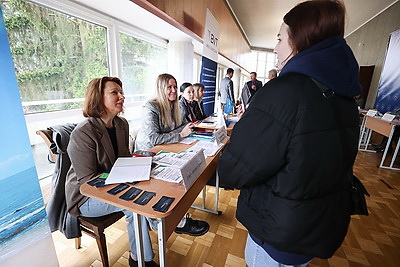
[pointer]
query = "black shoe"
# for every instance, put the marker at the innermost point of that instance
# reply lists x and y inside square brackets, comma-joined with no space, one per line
[379,148]
[133,263]
[193,227]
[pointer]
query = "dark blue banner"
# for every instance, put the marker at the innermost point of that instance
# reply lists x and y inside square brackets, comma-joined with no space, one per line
[208,77]
[388,98]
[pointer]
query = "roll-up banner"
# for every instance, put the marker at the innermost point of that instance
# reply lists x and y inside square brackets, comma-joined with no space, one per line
[208,74]
[388,97]
[25,238]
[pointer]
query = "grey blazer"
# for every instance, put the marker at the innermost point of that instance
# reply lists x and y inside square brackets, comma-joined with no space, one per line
[152,132]
[91,153]
[226,89]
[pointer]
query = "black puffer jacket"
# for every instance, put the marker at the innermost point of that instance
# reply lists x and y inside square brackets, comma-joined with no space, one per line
[287,156]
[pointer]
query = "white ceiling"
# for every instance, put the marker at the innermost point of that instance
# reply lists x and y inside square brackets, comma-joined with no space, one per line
[260,19]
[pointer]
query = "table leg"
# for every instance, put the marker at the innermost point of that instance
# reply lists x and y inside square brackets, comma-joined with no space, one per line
[388,144]
[363,133]
[396,151]
[204,196]
[215,210]
[161,242]
[139,240]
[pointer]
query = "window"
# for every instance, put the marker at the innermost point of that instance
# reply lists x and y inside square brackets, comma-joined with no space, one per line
[142,62]
[55,55]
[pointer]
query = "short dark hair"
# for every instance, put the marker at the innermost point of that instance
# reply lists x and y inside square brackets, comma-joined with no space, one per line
[230,70]
[184,86]
[325,19]
[253,72]
[93,106]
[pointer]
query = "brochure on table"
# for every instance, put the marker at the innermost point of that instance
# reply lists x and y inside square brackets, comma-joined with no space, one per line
[220,135]
[130,169]
[208,122]
[388,117]
[180,167]
[372,113]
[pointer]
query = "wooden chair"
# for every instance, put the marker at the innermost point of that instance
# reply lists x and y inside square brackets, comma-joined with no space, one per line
[92,226]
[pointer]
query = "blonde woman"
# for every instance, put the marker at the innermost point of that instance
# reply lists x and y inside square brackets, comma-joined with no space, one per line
[162,120]
[162,124]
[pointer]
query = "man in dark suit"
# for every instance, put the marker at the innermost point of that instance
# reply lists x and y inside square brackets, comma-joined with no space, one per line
[254,84]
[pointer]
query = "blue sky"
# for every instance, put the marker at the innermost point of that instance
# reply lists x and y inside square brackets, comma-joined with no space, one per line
[15,150]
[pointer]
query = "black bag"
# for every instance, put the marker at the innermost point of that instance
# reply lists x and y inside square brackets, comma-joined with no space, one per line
[357,195]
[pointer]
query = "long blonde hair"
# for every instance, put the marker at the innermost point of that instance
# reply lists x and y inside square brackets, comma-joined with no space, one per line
[170,113]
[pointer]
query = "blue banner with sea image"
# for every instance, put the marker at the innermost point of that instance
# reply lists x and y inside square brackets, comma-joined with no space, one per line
[23,220]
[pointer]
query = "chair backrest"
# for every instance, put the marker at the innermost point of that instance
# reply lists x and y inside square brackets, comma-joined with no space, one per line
[47,136]
[59,218]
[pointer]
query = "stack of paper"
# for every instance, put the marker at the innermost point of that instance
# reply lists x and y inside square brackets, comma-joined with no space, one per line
[184,167]
[130,169]
[209,148]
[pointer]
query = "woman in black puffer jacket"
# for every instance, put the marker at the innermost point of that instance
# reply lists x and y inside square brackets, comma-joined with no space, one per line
[291,154]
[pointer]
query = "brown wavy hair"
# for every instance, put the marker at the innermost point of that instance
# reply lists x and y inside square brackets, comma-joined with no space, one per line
[93,106]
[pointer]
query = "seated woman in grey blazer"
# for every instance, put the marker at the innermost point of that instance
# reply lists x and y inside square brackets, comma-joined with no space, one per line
[94,146]
[162,123]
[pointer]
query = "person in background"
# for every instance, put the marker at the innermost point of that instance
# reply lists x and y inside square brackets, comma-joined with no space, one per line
[162,123]
[198,96]
[226,89]
[186,102]
[253,84]
[293,165]
[94,146]
[272,74]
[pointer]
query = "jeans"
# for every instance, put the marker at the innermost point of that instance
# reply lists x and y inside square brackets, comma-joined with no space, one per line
[95,208]
[256,256]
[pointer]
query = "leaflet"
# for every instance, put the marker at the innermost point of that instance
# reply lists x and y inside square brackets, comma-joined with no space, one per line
[184,167]
[209,148]
[130,169]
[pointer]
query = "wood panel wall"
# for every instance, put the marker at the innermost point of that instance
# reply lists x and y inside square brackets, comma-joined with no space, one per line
[192,14]
[369,44]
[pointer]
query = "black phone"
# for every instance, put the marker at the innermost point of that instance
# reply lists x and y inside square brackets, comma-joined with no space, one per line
[163,204]
[119,188]
[144,198]
[131,193]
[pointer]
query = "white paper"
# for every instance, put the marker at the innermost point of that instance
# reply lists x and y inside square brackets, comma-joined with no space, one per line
[233,118]
[187,141]
[220,135]
[210,148]
[206,124]
[388,117]
[192,169]
[220,118]
[182,167]
[130,169]
[172,159]
[372,112]
[167,173]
